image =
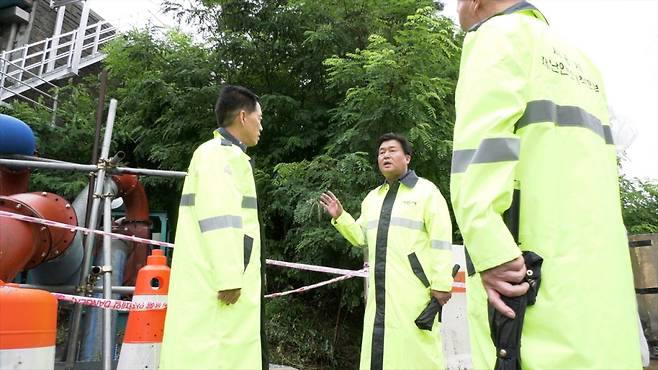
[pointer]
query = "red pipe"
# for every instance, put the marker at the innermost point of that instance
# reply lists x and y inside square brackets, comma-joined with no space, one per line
[134,198]
[13,181]
[26,245]
[137,222]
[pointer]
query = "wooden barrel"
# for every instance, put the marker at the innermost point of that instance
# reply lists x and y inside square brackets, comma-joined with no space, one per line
[644,258]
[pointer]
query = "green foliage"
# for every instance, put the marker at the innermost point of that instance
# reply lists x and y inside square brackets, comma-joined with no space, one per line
[314,334]
[640,205]
[71,138]
[332,76]
[403,85]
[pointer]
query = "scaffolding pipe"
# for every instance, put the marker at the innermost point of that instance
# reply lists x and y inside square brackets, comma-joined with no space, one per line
[97,134]
[30,158]
[141,171]
[68,289]
[48,164]
[71,353]
[107,276]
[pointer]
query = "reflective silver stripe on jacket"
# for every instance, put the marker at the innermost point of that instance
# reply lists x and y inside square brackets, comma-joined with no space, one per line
[542,111]
[249,202]
[400,221]
[220,222]
[441,244]
[500,149]
[408,223]
[538,111]
[187,199]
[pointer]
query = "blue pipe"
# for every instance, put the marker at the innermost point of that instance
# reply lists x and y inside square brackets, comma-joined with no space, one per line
[15,136]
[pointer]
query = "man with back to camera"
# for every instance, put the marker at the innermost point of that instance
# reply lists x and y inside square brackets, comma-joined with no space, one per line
[214,314]
[532,138]
[406,226]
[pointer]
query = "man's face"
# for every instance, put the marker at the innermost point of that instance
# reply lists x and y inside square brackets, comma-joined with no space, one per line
[466,9]
[252,126]
[392,161]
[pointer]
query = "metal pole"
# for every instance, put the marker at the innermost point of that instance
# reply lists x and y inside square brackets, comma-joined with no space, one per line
[107,277]
[97,134]
[71,353]
[139,171]
[86,167]
[55,105]
[3,72]
[99,115]
[55,43]
[79,42]
[49,165]
[67,289]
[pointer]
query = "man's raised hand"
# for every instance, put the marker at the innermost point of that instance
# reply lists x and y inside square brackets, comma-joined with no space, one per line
[331,204]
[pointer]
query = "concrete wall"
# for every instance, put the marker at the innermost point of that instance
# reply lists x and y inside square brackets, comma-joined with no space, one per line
[42,23]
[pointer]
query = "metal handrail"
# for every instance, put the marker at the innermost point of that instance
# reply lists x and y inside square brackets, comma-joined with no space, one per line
[72,34]
[35,76]
[60,36]
[62,45]
[16,77]
[43,92]
[31,100]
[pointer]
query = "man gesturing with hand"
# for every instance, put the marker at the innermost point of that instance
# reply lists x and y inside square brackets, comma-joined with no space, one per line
[406,226]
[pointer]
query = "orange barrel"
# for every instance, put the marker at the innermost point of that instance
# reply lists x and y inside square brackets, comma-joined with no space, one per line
[28,328]
[144,330]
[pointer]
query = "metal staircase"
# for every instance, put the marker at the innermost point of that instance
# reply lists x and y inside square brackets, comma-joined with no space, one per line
[27,72]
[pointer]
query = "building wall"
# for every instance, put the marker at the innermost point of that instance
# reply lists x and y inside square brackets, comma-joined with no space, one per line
[42,23]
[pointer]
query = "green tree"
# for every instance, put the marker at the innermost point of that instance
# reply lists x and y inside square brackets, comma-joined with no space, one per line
[332,76]
[71,138]
[640,205]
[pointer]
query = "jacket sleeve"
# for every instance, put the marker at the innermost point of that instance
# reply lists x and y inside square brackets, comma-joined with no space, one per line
[491,97]
[353,230]
[439,229]
[218,207]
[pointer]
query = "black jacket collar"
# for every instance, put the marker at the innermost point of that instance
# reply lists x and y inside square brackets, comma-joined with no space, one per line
[409,179]
[227,135]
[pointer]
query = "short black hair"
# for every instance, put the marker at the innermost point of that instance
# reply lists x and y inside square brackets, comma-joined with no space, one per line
[404,143]
[233,98]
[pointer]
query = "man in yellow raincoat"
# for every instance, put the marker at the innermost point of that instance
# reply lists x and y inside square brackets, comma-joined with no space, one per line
[532,138]
[215,293]
[406,226]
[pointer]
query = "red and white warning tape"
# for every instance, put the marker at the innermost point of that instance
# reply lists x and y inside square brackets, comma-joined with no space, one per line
[299,266]
[112,304]
[309,287]
[86,231]
[345,274]
[329,270]
[99,302]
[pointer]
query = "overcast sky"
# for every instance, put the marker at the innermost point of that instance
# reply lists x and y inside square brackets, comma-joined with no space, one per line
[621,37]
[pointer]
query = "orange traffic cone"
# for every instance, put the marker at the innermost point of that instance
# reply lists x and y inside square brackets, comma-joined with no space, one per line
[28,327]
[143,337]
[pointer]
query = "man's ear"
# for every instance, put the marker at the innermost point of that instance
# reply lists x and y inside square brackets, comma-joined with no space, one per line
[408,158]
[243,116]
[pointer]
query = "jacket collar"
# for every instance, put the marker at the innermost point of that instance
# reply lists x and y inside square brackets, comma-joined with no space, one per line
[223,133]
[409,179]
[518,7]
